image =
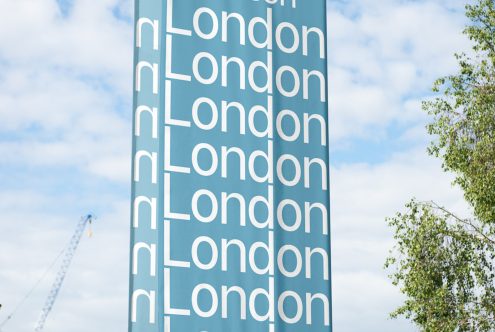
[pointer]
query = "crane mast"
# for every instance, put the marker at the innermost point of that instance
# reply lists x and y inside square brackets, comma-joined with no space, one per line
[59,279]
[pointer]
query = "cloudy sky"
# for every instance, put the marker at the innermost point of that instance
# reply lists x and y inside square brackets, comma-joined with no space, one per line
[65,135]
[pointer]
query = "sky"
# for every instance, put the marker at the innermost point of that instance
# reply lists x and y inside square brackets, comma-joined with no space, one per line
[65,143]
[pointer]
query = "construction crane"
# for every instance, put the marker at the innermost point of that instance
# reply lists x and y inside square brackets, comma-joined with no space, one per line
[59,279]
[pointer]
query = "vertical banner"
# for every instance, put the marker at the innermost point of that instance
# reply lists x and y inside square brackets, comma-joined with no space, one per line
[230,228]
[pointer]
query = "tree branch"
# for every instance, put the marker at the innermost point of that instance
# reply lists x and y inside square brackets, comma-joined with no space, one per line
[466,222]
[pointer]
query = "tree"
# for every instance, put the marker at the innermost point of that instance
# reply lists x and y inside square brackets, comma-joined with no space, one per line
[443,263]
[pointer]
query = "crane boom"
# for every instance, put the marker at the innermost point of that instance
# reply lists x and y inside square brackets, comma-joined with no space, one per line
[59,279]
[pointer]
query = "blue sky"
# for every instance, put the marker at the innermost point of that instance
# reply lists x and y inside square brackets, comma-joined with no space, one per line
[65,134]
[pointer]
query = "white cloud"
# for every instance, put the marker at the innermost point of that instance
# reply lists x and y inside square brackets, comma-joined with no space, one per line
[65,87]
[366,306]
[93,296]
[91,41]
[64,92]
[65,96]
[382,54]
[362,197]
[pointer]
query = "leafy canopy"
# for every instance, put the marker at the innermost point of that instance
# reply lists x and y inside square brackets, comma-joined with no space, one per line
[445,264]
[464,117]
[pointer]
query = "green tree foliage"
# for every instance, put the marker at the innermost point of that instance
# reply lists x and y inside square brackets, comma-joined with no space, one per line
[445,264]
[445,267]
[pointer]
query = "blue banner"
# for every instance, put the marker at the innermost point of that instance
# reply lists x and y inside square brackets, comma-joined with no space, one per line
[230,226]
